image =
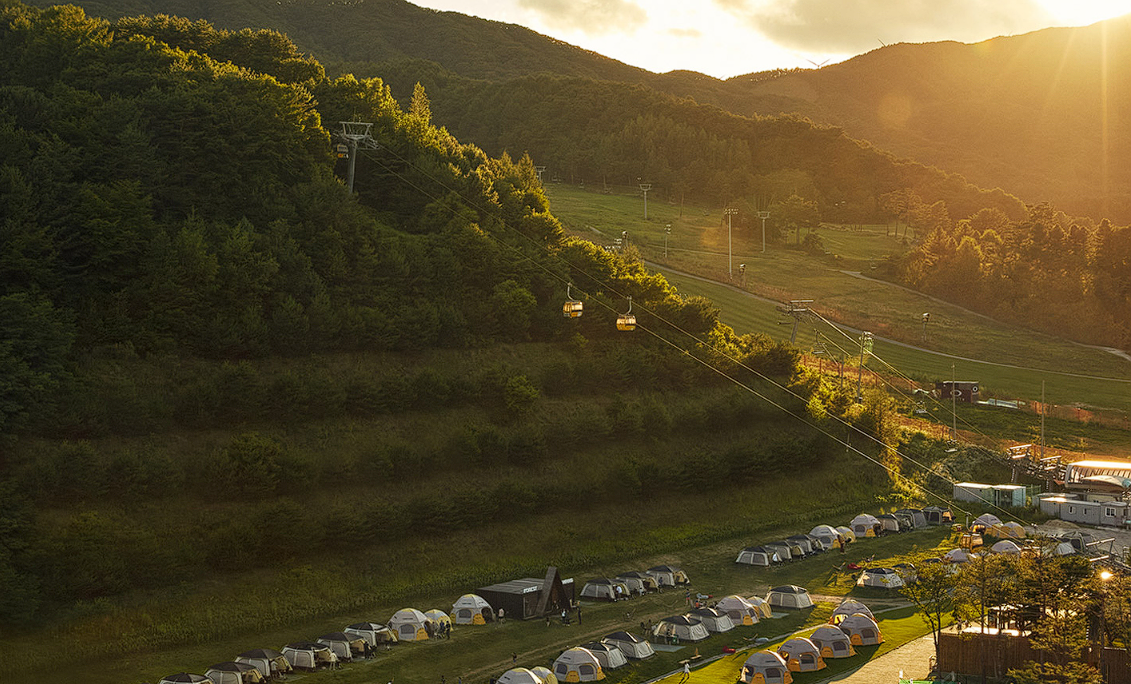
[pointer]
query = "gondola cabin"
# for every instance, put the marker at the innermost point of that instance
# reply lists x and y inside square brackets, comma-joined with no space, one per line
[572,308]
[343,151]
[626,322]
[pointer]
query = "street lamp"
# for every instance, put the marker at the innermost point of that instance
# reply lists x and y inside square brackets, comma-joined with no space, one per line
[926,317]
[730,267]
[763,215]
[667,232]
[742,272]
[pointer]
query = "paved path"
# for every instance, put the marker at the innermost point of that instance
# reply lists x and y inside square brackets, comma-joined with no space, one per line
[912,659]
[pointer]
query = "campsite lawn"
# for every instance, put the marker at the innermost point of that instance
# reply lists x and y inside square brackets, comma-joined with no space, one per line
[698,244]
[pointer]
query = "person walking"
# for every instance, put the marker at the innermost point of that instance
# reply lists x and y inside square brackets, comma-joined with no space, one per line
[686,673]
[514,658]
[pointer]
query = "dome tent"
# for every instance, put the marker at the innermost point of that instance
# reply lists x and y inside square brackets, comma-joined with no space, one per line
[846,608]
[985,521]
[918,519]
[648,581]
[630,645]
[269,663]
[861,630]
[634,585]
[343,645]
[232,672]
[680,627]
[783,551]
[846,533]
[1007,547]
[827,534]
[372,632]
[765,667]
[544,674]
[832,642]
[740,611]
[881,578]
[186,678]
[865,525]
[578,665]
[938,516]
[308,655]
[959,556]
[668,575]
[713,619]
[519,675]
[760,605]
[801,655]
[605,589]
[409,624]
[789,596]
[472,609]
[757,555]
[438,618]
[608,655]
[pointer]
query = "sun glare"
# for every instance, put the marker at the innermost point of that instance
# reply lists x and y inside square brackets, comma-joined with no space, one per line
[1083,12]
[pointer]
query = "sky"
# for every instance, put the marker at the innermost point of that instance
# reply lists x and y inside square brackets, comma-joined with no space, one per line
[725,38]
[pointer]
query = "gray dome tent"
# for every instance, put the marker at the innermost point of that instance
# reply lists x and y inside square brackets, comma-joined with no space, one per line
[608,655]
[648,581]
[345,646]
[186,678]
[373,632]
[681,628]
[270,663]
[789,596]
[757,555]
[234,673]
[308,655]
[630,645]
[713,619]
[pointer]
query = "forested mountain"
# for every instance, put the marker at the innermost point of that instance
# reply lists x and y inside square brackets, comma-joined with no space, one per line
[1042,115]
[179,261]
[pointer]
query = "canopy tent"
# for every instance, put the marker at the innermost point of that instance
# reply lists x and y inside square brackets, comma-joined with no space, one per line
[846,608]
[865,525]
[343,645]
[608,655]
[861,630]
[936,515]
[270,663]
[832,642]
[1006,547]
[740,611]
[846,533]
[232,672]
[186,678]
[668,575]
[765,667]
[605,589]
[801,655]
[410,624]
[882,578]
[519,675]
[757,555]
[789,596]
[713,619]
[578,665]
[630,645]
[680,628]
[438,617]
[308,655]
[472,609]
[644,578]
[372,632]
[545,674]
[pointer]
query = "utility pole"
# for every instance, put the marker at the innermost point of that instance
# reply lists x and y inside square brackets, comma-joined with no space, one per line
[1043,409]
[667,233]
[730,259]
[865,348]
[539,170]
[356,134]
[763,215]
[799,310]
[645,187]
[953,405]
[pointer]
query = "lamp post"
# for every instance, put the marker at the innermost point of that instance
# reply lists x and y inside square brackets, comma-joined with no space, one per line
[926,317]
[730,258]
[763,215]
[667,233]
[1105,577]
[742,272]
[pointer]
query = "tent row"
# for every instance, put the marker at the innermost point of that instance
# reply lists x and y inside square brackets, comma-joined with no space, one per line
[355,641]
[634,583]
[808,654]
[588,662]
[827,537]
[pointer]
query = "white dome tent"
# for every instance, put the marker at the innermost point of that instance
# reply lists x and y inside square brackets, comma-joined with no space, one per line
[472,609]
[578,665]
[757,555]
[801,655]
[861,630]
[680,628]
[789,596]
[880,578]
[865,525]
[270,663]
[186,678]
[765,667]
[233,673]
[374,633]
[740,611]
[519,675]
[832,642]
[409,624]
[713,619]
[608,655]
[846,608]
[630,645]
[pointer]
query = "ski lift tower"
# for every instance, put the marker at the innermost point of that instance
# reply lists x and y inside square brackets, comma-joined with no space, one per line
[356,134]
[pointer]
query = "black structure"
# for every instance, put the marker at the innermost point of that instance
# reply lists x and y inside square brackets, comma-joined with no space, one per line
[531,597]
[964,390]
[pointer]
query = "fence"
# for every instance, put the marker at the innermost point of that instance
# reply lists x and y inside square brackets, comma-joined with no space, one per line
[964,655]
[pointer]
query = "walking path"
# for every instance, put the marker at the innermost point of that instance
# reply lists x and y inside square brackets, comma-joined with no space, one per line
[912,660]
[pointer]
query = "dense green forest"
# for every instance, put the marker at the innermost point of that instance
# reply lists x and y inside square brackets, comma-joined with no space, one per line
[217,361]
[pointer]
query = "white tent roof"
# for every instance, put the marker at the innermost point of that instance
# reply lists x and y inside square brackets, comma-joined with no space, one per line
[799,645]
[850,607]
[958,556]
[519,675]
[473,601]
[761,659]
[987,519]
[547,676]
[409,615]
[865,519]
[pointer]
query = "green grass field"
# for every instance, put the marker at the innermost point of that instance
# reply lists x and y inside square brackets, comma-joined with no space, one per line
[698,245]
